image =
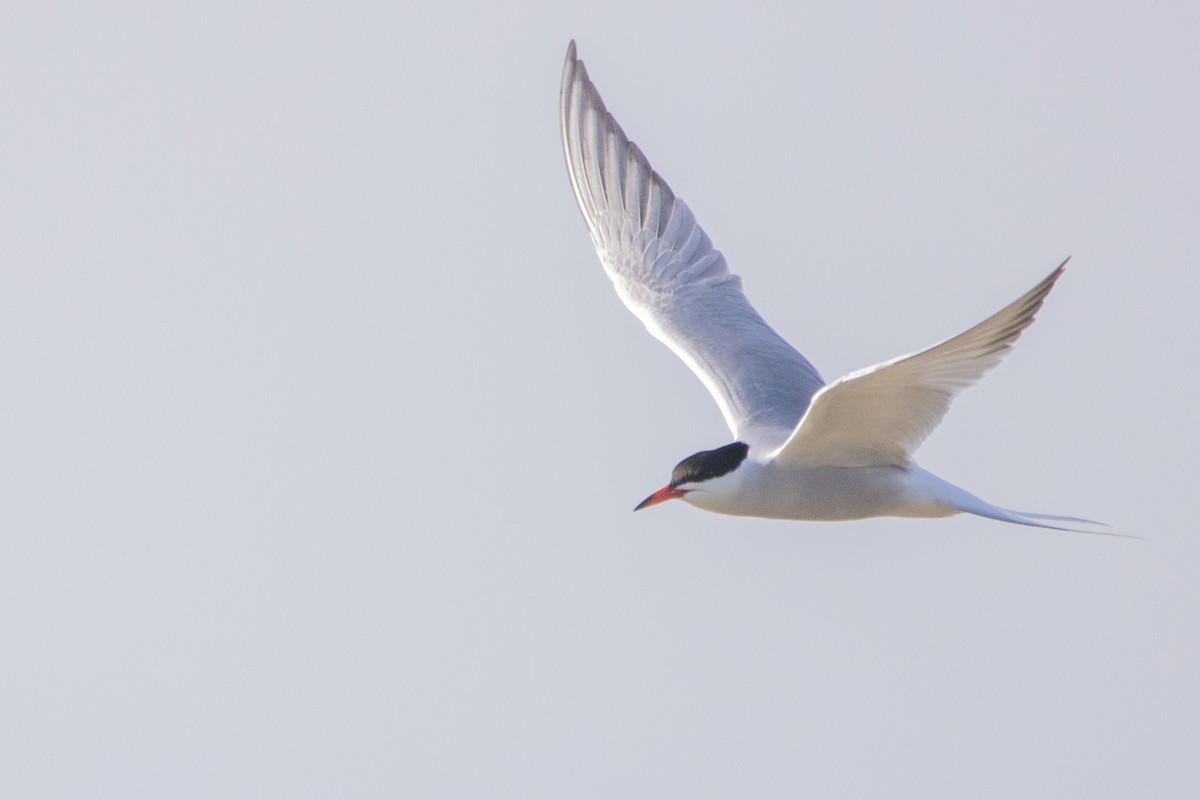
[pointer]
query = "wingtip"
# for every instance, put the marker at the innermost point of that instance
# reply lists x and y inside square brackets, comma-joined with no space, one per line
[572,67]
[1048,282]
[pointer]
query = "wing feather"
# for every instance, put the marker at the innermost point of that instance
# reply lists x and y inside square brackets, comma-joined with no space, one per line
[668,273]
[879,415]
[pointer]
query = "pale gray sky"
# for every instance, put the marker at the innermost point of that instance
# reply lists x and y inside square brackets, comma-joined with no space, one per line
[322,426]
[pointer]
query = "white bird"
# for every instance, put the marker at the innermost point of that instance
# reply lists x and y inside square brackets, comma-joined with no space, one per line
[804,449]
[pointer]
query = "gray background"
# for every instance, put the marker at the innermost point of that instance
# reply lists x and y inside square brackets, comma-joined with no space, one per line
[321,425]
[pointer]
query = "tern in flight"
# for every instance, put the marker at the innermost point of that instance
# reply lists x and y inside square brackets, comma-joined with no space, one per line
[803,449]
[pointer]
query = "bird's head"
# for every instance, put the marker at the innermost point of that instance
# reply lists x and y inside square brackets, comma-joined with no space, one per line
[694,472]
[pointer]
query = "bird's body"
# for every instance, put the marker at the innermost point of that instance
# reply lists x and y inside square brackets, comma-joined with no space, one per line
[804,449]
[831,494]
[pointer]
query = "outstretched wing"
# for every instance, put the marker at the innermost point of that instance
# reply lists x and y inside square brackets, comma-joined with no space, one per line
[880,415]
[670,276]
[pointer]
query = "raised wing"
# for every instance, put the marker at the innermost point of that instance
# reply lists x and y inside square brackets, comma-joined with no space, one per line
[881,414]
[667,272]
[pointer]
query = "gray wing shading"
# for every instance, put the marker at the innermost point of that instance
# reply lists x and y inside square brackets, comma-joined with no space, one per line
[880,415]
[670,276]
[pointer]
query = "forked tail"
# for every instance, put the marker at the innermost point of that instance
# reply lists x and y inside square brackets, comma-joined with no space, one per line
[968,503]
[1028,518]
